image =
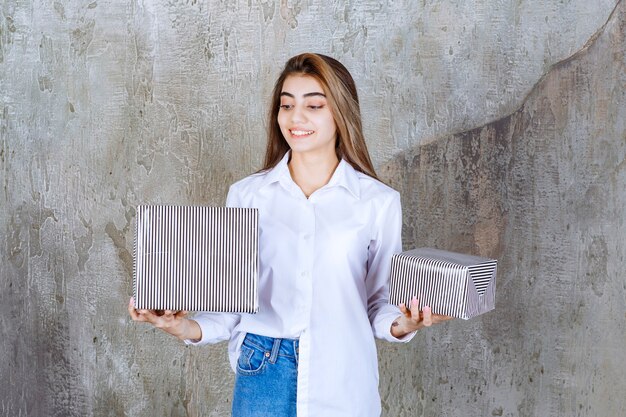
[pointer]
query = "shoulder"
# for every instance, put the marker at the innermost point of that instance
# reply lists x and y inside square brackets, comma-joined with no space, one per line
[376,191]
[382,203]
[240,193]
[249,183]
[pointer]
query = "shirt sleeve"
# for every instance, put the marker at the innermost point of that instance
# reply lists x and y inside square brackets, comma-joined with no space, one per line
[386,242]
[217,327]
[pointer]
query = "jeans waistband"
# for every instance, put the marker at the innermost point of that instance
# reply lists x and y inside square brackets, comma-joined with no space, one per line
[273,347]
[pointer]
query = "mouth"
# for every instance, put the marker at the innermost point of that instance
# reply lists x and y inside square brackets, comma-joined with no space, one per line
[300,133]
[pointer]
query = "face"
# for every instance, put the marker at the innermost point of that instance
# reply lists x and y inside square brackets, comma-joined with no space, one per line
[305,119]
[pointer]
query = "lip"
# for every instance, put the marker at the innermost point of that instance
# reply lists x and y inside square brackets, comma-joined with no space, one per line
[301,133]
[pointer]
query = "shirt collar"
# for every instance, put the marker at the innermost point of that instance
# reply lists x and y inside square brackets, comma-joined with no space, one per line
[347,177]
[281,170]
[344,176]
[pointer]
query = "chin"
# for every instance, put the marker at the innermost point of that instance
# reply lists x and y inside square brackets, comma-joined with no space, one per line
[300,149]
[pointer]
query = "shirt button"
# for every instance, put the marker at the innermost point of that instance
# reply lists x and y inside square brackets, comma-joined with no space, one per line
[303,274]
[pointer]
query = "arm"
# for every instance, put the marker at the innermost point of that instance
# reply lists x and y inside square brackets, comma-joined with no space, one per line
[390,322]
[386,241]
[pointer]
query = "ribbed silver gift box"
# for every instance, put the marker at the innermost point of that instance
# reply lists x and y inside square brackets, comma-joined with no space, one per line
[452,284]
[196,258]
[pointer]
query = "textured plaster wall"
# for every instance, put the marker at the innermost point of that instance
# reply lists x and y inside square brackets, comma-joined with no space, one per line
[501,123]
[544,191]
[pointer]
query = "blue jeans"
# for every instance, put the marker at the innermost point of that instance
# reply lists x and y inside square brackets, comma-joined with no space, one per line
[266,380]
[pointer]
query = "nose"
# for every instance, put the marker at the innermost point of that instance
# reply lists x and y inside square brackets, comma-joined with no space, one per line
[297,115]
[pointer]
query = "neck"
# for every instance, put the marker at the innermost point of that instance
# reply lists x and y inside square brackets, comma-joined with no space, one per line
[312,172]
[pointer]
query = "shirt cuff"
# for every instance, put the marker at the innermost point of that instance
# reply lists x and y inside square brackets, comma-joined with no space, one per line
[385,318]
[404,339]
[215,327]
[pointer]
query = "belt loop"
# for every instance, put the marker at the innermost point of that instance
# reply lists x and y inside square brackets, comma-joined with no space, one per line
[275,350]
[296,351]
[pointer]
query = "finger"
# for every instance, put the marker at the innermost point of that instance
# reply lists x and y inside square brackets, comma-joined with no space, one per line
[415,309]
[131,309]
[133,313]
[428,316]
[438,318]
[150,316]
[181,314]
[403,309]
[137,316]
[156,318]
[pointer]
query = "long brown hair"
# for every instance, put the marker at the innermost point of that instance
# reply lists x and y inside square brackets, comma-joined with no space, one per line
[343,102]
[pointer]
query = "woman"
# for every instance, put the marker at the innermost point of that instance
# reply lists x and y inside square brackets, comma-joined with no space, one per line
[328,229]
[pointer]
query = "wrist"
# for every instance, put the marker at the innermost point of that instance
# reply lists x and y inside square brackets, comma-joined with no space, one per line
[178,329]
[398,328]
[189,330]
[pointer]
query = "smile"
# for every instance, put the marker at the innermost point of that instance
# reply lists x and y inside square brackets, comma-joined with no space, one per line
[301,132]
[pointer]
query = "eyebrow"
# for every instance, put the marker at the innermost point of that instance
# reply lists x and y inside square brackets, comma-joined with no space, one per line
[284,93]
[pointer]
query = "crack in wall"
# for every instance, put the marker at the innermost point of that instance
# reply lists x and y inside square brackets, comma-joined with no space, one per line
[583,50]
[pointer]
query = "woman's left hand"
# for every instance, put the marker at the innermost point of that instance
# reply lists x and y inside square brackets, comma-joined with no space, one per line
[413,319]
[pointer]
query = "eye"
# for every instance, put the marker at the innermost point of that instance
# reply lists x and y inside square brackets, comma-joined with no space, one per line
[316,107]
[286,106]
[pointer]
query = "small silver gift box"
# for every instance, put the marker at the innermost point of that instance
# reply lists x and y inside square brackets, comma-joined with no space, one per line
[196,258]
[450,283]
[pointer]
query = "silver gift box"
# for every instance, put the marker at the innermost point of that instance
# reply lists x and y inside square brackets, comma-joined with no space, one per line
[450,283]
[196,258]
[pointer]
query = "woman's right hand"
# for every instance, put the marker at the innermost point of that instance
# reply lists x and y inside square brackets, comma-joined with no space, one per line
[172,322]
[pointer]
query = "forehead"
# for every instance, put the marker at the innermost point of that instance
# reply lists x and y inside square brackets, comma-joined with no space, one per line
[301,84]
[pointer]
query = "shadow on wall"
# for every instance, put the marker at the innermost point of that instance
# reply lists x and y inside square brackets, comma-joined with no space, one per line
[542,190]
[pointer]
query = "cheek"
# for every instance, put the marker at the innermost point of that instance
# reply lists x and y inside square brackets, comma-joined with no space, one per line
[329,124]
[282,121]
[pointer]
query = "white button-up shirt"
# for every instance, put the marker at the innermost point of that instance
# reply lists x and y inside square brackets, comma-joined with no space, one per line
[323,273]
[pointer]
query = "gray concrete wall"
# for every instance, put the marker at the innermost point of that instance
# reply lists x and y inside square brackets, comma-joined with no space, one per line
[502,124]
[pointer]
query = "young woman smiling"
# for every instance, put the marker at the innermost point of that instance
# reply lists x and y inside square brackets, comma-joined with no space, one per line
[328,228]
